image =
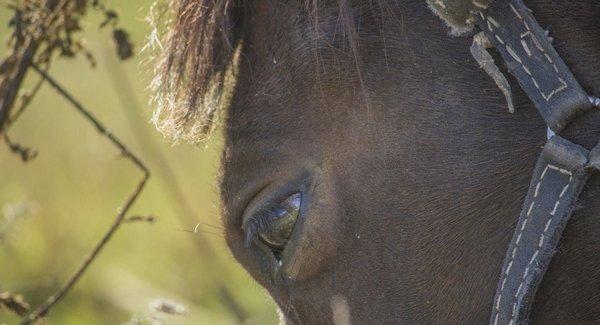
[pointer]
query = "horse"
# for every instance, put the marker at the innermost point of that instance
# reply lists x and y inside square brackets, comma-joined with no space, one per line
[371,171]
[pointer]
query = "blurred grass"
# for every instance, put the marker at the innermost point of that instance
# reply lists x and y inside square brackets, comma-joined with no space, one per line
[69,194]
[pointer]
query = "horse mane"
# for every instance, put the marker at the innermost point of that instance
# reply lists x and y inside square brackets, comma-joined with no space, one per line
[193,58]
[190,64]
[198,48]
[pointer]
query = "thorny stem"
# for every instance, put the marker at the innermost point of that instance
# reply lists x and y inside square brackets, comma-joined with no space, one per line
[42,310]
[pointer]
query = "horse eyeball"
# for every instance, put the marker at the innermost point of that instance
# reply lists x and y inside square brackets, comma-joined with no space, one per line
[281,224]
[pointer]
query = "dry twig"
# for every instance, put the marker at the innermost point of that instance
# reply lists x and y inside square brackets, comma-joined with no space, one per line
[149,219]
[14,303]
[24,102]
[25,153]
[41,30]
[185,212]
[42,310]
[14,68]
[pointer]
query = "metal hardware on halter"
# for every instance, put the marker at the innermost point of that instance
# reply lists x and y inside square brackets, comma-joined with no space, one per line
[549,133]
[562,168]
[595,101]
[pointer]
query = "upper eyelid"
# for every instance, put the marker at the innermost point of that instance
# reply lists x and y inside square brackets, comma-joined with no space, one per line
[276,204]
[260,213]
[269,198]
[257,203]
[256,215]
[271,207]
[253,225]
[256,221]
[273,193]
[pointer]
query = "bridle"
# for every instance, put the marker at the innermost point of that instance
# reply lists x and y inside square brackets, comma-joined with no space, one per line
[563,167]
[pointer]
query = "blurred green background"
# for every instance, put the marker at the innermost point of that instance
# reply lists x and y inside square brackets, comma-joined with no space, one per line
[55,208]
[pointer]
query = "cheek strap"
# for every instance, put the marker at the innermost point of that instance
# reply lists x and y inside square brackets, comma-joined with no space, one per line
[559,176]
[562,168]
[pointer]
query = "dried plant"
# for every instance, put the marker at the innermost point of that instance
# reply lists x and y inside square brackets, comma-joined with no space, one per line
[157,308]
[42,31]
[149,219]
[167,306]
[14,303]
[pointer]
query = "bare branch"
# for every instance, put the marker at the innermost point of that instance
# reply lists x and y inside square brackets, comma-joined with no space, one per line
[185,212]
[25,153]
[24,102]
[42,310]
[92,119]
[10,85]
[149,219]
[14,303]
[14,69]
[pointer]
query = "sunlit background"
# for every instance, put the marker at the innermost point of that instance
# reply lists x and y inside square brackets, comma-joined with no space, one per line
[55,208]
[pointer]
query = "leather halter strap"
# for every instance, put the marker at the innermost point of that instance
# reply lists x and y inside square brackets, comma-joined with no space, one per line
[562,168]
[532,59]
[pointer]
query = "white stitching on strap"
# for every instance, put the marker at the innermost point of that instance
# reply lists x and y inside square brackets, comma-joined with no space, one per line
[515,10]
[478,4]
[519,235]
[543,235]
[564,171]
[535,194]
[491,21]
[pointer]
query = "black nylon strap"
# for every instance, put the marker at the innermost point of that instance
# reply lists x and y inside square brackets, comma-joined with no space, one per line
[562,168]
[531,58]
[559,176]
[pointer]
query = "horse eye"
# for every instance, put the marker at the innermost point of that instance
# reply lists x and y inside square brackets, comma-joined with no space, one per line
[278,224]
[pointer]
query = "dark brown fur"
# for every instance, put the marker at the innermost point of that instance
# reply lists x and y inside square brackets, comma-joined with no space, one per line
[412,169]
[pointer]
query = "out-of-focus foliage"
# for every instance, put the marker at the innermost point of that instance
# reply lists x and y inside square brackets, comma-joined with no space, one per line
[58,31]
[54,208]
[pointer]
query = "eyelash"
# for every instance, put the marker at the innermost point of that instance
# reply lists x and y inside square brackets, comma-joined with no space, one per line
[261,220]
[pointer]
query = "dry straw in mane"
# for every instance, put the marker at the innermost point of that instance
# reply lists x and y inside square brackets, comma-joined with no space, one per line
[192,62]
